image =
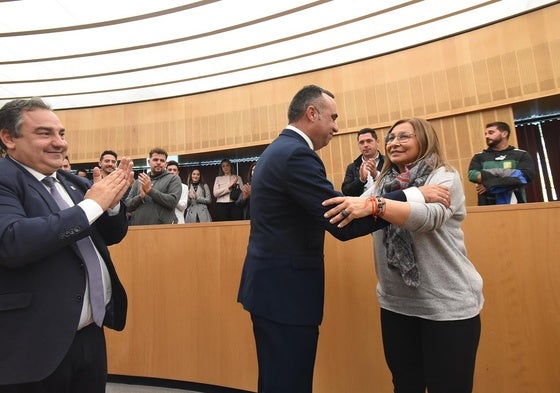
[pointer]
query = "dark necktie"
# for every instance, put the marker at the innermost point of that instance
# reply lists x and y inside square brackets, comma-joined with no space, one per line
[91,260]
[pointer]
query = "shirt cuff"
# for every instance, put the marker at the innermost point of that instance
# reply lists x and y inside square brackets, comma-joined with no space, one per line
[93,210]
[413,194]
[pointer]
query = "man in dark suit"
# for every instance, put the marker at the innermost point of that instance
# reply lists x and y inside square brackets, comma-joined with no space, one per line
[282,283]
[362,172]
[56,275]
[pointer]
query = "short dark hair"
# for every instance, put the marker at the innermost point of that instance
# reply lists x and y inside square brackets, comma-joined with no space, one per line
[173,162]
[157,150]
[500,125]
[11,114]
[111,152]
[310,94]
[367,131]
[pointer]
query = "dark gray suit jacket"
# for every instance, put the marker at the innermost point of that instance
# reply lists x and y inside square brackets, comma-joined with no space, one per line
[42,275]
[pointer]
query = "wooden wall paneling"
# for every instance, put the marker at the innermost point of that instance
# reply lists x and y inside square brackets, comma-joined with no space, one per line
[361,108]
[476,134]
[89,141]
[266,108]
[129,121]
[187,121]
[336,160]
[143,141]
[382,102]
[281,119]
[447,130]
[454,85]
[237,118]
[496,78]
[393,100]
[205,129]
[371,105]
[461,138]
[555,58]
[512,79]
[416,96]
[211,136]
[196,133]
[104,138]
[482,82]
[248,127]
[196,108]
[109,135]
[233,119]
[468,87]
[175,123]
[262,121]
[441,91]
[347,110]
[173,138]
[429,93]
[527,70]
[126,142]
[545,73]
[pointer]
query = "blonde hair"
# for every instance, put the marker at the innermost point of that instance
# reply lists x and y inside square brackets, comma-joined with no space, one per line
[430,148]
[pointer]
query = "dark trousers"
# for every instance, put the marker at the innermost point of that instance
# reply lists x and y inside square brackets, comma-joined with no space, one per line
[437,355]
[83,369]
[286,356]
[228,212]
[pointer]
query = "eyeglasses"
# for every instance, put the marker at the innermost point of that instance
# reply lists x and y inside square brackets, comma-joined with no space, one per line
[401,138]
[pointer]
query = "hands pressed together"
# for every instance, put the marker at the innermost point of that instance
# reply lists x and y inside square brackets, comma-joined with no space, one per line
[145,184]
[108,191]
[368,166]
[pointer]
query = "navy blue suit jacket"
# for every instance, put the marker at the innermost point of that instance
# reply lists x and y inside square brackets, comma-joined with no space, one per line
[283,273]
[42,275]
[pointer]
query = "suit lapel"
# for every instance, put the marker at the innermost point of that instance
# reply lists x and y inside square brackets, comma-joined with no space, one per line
[75,194]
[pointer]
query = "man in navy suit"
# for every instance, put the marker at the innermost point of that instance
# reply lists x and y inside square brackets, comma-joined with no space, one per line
[282,283]
[48,340]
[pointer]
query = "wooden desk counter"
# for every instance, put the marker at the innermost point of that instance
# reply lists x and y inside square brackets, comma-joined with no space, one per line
[184,322]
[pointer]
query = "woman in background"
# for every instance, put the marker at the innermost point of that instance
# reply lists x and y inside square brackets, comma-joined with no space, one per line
[226,183]
[430,293]
[198,199]
[244,200]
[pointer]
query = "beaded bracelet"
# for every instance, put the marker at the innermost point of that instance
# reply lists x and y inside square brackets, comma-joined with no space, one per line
[380,207]
[377,206]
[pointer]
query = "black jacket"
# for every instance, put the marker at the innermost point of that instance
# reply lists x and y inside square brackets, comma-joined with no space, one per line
[352,185]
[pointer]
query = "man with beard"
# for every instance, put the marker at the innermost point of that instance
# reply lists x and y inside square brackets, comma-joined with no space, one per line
[501,171]
[107,162]
[153,196]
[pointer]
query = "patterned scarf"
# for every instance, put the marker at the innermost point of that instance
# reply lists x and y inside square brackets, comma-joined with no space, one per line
[397,240]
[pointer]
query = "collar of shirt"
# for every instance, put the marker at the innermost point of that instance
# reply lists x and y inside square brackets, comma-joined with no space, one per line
[376,158]
[39,176]
[302,134]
